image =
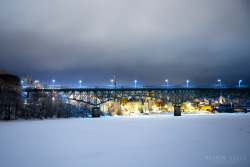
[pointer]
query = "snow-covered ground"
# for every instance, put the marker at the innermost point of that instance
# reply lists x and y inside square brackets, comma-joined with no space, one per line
[135,141]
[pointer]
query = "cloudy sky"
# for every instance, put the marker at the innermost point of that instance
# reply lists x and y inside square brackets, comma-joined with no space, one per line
[147,40]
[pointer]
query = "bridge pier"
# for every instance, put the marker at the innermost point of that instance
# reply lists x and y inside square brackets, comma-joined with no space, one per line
[245,110]
[96,112]
[177,111]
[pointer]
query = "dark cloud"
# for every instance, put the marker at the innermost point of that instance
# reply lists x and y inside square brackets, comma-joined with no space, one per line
[92,40]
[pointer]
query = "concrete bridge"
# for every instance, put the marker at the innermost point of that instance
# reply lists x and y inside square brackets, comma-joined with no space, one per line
[174,94]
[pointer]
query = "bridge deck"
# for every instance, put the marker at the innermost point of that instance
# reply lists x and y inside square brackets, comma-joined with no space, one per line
[133,89]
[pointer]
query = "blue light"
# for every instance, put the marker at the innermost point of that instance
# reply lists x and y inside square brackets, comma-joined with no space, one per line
[219,82]
[240,82]
[135,83]
[80,81]
[53,81]
[187,82]
[167,81]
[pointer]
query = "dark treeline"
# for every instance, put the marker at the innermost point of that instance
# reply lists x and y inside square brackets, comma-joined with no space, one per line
[38,106]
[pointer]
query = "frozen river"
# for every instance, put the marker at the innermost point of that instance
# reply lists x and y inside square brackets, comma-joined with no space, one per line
[142,141]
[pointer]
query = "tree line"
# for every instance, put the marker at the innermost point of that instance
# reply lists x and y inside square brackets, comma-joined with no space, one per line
[39,105]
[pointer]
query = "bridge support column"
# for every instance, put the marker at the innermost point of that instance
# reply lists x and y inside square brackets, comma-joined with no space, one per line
[245,110]
[177,111]
[95,112]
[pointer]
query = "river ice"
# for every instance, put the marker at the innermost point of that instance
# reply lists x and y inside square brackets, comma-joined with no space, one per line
[132,141]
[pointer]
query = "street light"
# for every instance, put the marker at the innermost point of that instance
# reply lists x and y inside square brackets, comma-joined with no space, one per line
[219,82]
[80,82]
[167,81]
[53,83]
[22,83]
[135,83]
[187,82]
[112,81]
[240,82]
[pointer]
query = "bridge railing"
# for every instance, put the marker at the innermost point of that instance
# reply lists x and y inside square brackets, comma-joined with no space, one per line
[213,86]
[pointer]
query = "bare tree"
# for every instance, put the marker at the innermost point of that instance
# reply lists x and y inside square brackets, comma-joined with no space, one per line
[10,96]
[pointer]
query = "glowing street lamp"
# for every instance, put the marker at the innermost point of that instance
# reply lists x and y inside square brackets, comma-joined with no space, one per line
[53,83]
[167,81]
[219,82]
[80,82]
[187,82]
[22,83]
[135,83]
[240,82]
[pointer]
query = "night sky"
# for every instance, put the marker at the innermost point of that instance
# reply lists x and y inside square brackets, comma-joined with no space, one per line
[147,40]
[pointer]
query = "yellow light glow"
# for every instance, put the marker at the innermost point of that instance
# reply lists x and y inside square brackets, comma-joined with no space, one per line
[154,108]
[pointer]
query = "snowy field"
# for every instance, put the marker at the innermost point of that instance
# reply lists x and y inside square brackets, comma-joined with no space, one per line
[138,141]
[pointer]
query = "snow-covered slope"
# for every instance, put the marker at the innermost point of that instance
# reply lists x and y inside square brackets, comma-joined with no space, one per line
[139,141]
